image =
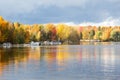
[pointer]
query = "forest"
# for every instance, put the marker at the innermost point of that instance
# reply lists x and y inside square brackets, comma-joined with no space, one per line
[17,33]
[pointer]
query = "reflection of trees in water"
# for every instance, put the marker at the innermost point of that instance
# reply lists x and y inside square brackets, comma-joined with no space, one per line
[12,54]
[42,51]
[58,55]
[35,53]
[49,53]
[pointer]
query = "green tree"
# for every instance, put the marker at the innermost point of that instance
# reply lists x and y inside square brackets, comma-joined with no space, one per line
[115,35]
[80,35]
[91,34]
[98,35]
[19,36]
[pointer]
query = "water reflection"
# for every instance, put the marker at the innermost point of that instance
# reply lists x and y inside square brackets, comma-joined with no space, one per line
[83,61]
[108,59]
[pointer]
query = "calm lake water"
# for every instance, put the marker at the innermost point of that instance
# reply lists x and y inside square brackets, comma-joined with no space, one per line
[99,61]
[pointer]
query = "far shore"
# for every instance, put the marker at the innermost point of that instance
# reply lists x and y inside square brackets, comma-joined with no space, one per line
[36,44]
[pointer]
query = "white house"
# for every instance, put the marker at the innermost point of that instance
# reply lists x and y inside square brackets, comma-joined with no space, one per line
[35,43]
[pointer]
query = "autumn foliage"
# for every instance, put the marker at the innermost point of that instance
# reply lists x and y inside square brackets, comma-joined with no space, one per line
[17,33]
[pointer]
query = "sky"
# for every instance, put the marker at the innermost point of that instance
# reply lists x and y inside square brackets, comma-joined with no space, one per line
[61,11]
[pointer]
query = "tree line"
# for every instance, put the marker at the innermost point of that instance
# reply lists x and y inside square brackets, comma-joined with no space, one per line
[17,33]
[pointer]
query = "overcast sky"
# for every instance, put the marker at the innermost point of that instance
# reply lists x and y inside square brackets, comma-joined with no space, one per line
[55,11]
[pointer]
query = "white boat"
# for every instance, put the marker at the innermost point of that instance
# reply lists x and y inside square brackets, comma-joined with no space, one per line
[26,45]
[55,43]
[7,45]
[51,43]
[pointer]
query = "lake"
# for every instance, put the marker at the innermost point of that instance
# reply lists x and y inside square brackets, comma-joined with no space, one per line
[98,61]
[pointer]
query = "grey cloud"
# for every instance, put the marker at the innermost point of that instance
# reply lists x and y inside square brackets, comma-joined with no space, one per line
[45,11]
[26,6]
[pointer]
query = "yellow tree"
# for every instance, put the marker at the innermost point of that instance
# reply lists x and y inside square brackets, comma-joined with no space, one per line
[34,32]
[4,30]
[1,37]
[85,34]
[60,31]
[98,35]
[106,34]
[27,37]
[16,24]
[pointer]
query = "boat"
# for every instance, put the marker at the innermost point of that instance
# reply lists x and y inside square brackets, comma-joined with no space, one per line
[7,45]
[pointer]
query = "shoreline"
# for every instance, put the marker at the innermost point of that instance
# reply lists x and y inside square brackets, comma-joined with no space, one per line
[83,42]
